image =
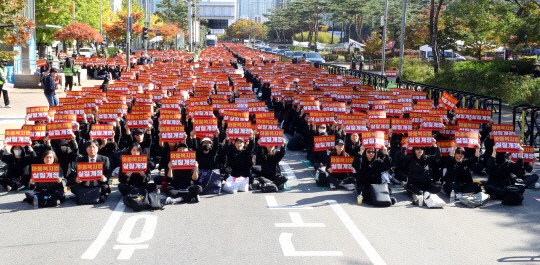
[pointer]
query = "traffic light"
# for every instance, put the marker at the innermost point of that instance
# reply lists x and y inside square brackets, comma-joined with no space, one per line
[145,33]
[381,32]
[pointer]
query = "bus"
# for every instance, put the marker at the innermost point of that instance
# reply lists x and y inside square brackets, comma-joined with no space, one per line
[211,41]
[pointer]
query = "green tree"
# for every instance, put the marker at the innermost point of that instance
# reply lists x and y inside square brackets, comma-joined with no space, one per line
[18,28]
[174,12]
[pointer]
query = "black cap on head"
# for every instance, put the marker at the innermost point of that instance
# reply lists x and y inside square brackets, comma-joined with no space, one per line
[52,70]
[182,145]
[138,131]
[339,141]
[239,139]
[460,149]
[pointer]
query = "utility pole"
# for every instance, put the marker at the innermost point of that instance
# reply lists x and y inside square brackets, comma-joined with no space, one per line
[128,36]
[146,25]
[384,22]
[190,14]
[402,41]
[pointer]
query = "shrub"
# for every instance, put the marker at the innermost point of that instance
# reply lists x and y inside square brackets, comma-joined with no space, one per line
[324,37]
[330,57]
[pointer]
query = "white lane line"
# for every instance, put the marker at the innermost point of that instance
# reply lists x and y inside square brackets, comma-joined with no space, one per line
[105,233]
[285,240]
[297,221]
[272,204]
[287,171]
[356,233]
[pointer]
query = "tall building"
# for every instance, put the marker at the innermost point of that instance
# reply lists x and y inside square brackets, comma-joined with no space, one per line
[251,9]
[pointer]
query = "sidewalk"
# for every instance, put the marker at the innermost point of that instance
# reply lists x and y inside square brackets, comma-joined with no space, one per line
[21,98]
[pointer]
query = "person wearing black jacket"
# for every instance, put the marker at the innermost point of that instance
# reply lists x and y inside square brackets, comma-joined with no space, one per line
[49,88]
[501,171]
[144,138]
[238,158]
[458,177]
[337,179]
[130,180]
[181,187]
[530,180]
[207,151]
[55,188]
[419,172]
[353,144]
[92,148]
[67,151]
[368,169]
[269,172]
[18,162]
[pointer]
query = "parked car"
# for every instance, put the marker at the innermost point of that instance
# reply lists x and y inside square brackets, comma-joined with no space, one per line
[86,52]
[282,51]
[298,55]
[268,49]
[288,54]
[313,57]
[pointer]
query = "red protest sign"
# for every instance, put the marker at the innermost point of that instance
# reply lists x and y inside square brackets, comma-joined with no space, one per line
[267,124]
[391,73]
[373,139]
[89,171]
[174,133]
[354,126]
[17,137]
[200,111]
[469,126]
[102,131]
[107,115]
[478,115]
[432,123]
[321,117]
[334,106]
[232,115]
[170,119]
[143,99]
[310,105]
[394,109]
[256,106]
[466,139]
[37,131]
[401,125]
[445,146]
[45,173]
[420,138]
[205,127]
[379,124]
[137,120]
[376,114]
[341,164]
[134,163]
[65,117]
[448,101]
[271,137]
[502,129]
[324,142]
[450,130]
[59,130]
[509,143]
[528,155]
[240,129]
[37,113]
[183,160]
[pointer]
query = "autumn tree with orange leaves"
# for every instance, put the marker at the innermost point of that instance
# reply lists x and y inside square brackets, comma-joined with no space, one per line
[18,28]
[116,32]
[78,32]
[168,32]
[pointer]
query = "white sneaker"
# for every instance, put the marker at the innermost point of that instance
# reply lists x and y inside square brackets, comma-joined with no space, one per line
[426,195]
[348,186]
[537,185]
[332,186]
[8,106]
[169,200]
[8,188]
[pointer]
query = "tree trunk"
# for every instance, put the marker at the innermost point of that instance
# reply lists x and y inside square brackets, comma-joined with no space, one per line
[316,34]
[341,33]
[433,22]
[332,37]
[359,29]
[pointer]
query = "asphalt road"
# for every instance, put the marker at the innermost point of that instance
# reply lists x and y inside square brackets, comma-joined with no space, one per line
[303,225]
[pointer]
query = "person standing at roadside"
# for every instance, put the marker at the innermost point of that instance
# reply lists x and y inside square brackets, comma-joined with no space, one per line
[50,88]
[3,80]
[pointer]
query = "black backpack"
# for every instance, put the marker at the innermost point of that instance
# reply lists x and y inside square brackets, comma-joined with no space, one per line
[210,180]
[47,198]
[513,195]
[140,199]
[269,187]
[89,195]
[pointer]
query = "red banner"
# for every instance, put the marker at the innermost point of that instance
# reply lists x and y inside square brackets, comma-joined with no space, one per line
[420,138]
[183,160]
[321,117]
[267,124]
[467,139]
[469,126]
[16,137]
[256,106]
[341,164]
[445,146]
[401,125]
[201,111]
[205,127]
[45,173]
[37,131]
[379,124]
[271,137]
[509,143]
[373,139]
[37,113]
[448,101]
[134,163]
[432,123]
[107,115]
[89,171]
[528,155]
[450,130]
[502,129]
[175,133]
[102,131]
[478,115]
[394,109]
[59,130]
[240,129]
[324,142]
[136,120]
[354,126]
[376,114]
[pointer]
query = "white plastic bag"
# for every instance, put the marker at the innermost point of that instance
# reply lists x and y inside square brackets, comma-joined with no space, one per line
[434,201]
[233,185]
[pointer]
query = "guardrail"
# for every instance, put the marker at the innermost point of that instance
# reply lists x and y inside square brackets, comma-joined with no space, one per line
[526,117]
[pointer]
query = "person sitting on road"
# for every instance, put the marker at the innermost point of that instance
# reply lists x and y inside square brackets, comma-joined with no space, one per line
[269,172]
[18,161]
[92,148]
[238,157]
[336,180]
[501,171]
[368,169]
[418,169]
[457,174]
[181,187]
[353,144]
[207,151]
[531,180]
[53,189]
[130,180]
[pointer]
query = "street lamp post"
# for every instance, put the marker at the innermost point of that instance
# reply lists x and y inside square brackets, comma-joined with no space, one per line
[190,11]
[402,41]
[128,36]
[385,19]
[146,25]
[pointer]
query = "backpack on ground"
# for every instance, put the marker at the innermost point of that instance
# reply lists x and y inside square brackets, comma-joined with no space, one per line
[47,198]
[475,200]
[380,195]
[321,177]
[513,195]
[137,199]
[88,195]
[269,187]
[210,181]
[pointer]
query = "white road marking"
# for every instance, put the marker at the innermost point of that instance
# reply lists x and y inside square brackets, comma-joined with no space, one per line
[356,233]
[289,251]
[287,171]
[298,222]
[272,204]
[105,233]
[126,251]
[147,232]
